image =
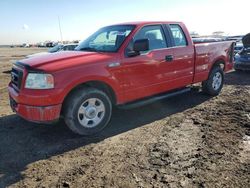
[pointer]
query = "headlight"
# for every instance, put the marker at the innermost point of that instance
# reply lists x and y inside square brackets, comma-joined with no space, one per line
[39,81]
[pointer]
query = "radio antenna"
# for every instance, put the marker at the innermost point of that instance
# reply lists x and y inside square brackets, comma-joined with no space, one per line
[59,23]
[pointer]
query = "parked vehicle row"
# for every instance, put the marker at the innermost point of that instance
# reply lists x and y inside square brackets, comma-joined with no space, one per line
[57,48]
[207,39]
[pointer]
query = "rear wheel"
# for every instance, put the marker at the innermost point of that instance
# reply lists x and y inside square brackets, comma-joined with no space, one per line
[87,111]
[215,82]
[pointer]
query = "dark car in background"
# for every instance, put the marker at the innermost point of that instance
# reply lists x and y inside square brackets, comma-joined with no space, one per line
[238,47]
[242,59]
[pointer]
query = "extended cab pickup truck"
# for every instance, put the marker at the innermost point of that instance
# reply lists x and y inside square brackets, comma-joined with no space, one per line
[118,65]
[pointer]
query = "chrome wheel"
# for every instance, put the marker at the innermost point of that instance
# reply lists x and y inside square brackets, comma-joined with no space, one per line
[217,81]
[91,112]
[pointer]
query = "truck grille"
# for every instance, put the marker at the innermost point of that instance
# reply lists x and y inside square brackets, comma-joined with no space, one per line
[16,77]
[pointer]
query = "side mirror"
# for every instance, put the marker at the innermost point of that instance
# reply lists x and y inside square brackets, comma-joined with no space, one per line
[139,46]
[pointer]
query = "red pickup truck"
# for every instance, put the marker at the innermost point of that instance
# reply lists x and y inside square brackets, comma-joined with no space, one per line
[122,64]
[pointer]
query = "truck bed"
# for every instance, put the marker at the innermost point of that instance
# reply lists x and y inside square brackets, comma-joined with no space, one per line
[208,52]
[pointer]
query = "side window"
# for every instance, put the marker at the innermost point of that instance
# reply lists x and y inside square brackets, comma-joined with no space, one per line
[71,47]
[65,48]
[155,36]
[178,35]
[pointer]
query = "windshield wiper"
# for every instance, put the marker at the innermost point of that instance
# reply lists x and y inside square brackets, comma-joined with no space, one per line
[88,49]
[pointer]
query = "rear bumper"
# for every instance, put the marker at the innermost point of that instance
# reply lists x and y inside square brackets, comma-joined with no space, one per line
[37,112]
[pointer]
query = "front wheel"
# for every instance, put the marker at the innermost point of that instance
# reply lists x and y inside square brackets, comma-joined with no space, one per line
[215,82]
[87,111]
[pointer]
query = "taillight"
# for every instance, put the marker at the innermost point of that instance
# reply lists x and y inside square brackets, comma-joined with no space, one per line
[231,52]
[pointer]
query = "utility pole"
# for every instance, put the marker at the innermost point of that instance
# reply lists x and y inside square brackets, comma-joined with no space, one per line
[60,29]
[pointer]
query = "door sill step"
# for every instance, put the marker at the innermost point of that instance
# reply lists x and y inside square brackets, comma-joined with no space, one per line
[150,100]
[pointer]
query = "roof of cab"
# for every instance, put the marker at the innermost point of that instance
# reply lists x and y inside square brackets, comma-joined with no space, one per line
[149,23]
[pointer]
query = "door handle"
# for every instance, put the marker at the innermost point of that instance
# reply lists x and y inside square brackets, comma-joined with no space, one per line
[169,58]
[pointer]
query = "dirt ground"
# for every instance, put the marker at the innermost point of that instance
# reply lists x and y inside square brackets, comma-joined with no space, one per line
[190,140]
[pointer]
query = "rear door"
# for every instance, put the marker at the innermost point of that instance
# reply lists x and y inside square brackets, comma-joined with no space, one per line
[183,56]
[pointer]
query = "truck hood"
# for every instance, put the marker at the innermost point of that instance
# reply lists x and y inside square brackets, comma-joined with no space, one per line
[65,59]
[246,41]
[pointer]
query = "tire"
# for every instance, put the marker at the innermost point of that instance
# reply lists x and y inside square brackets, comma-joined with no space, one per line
[215,82]
[87,111]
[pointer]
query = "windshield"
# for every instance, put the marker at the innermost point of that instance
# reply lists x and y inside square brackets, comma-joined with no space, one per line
[107,39]
[55,48]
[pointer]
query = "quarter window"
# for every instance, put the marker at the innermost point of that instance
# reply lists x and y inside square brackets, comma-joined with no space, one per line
[178,35]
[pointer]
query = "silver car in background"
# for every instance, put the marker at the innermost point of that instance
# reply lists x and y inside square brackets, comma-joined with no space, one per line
[57,48]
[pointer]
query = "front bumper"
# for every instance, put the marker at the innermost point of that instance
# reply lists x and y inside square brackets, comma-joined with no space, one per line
[39,111]
[39,114]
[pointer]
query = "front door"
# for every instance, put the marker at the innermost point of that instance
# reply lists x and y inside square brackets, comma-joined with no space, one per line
[144,74]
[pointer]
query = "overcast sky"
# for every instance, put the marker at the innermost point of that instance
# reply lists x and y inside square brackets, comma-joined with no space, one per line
[30,21]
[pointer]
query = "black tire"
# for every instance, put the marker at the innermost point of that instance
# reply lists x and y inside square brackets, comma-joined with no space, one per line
[76,100]
[207,86]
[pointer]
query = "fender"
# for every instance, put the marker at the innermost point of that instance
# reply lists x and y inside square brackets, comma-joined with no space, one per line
[112,83]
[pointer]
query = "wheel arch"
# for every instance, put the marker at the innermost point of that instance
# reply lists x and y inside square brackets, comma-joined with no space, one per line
[218,62]
[101,85]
